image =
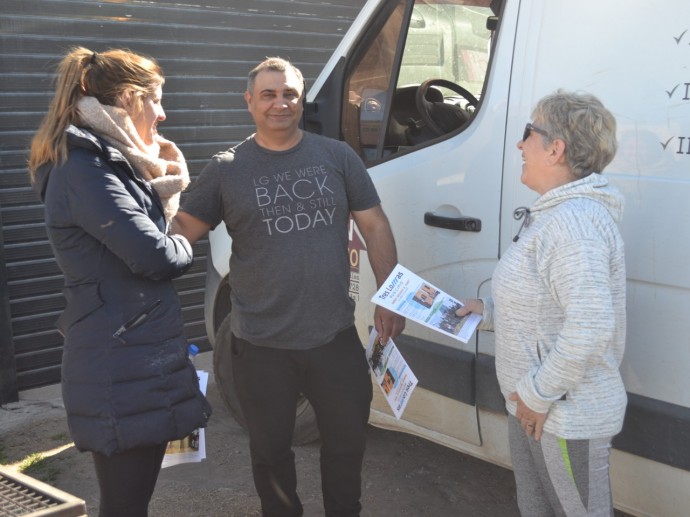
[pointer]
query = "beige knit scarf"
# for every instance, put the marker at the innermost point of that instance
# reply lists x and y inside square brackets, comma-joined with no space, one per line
[161,164]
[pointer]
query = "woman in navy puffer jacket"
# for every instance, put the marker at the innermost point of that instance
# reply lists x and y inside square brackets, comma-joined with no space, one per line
[108,180]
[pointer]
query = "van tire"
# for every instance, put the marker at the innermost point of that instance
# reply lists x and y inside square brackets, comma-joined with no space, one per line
[306,430]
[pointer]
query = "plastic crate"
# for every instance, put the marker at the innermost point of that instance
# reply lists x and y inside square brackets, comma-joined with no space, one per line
[28,497]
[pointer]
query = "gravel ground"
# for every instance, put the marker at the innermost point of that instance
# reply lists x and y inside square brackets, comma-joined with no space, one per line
[403,475]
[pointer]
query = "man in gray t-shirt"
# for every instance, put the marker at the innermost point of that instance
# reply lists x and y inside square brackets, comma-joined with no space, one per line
[287,213]
[285,197]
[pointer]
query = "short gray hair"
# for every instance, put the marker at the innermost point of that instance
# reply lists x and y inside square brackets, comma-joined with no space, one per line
[584,124]
[273,64]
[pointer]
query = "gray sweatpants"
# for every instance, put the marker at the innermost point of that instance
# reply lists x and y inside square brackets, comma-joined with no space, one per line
[558,477]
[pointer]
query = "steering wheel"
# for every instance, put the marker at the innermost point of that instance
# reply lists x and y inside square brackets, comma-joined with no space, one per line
[440,117]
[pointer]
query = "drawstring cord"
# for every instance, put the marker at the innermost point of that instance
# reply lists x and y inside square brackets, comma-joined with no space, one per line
[523,213]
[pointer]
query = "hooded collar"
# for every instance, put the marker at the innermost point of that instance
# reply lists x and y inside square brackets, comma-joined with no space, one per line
[594,187]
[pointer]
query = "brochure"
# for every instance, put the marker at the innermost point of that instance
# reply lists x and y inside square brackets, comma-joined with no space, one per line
[191,448]
[407,294]
[393,375]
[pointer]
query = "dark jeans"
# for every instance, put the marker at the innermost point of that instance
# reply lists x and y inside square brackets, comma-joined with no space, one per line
[335,379]
[127,480]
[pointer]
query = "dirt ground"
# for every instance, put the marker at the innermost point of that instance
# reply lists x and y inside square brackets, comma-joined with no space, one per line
[403,475]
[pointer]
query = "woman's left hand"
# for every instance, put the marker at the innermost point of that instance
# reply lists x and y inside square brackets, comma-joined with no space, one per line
[531,421]
[471,305]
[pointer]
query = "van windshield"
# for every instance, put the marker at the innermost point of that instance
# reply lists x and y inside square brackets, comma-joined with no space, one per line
[419,77]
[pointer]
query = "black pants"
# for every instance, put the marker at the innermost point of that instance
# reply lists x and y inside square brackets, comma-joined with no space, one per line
[127,480]
[335,379]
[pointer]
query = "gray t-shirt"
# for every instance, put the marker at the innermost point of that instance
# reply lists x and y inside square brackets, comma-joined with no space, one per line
[287,213]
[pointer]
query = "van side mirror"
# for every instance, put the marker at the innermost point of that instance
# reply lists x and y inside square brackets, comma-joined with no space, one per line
[417,21]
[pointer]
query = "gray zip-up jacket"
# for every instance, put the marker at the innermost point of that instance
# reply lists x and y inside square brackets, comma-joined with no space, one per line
[558,311]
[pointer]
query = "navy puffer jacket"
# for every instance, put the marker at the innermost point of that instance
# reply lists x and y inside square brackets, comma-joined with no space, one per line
[127,381]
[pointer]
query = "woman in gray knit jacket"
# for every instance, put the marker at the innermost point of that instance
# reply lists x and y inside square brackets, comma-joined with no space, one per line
[558,312]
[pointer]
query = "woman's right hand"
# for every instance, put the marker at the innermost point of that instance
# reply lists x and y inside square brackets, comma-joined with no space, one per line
[474,305]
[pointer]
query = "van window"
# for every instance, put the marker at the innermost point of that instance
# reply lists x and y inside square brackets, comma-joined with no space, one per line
[418,77]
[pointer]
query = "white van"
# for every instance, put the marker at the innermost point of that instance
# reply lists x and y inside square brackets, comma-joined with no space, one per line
[442,155]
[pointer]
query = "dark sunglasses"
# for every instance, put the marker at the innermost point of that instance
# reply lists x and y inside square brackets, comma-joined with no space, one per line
[528,130]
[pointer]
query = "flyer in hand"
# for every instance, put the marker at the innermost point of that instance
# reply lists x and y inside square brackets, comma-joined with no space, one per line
[191,448]
[393,375]
[418,300]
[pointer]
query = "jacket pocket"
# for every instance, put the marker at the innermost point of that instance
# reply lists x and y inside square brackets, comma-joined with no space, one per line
[137,319]
[82,300]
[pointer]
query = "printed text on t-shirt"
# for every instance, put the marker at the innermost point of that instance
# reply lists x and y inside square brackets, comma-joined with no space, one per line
[295,200]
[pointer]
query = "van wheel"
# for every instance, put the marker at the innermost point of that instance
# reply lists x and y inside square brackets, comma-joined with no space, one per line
[306,430]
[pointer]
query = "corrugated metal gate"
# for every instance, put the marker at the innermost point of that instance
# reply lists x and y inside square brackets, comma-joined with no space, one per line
[205,51]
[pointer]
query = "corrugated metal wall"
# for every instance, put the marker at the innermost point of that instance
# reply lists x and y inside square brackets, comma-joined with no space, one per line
[205,50]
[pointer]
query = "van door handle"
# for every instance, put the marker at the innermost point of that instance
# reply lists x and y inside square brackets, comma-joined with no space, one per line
[463,224]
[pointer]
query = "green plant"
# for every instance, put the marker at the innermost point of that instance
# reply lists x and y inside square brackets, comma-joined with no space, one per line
[61,437]
[40,467]
[4,460]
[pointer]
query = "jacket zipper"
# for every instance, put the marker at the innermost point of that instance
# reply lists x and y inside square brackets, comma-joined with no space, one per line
[137,319]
